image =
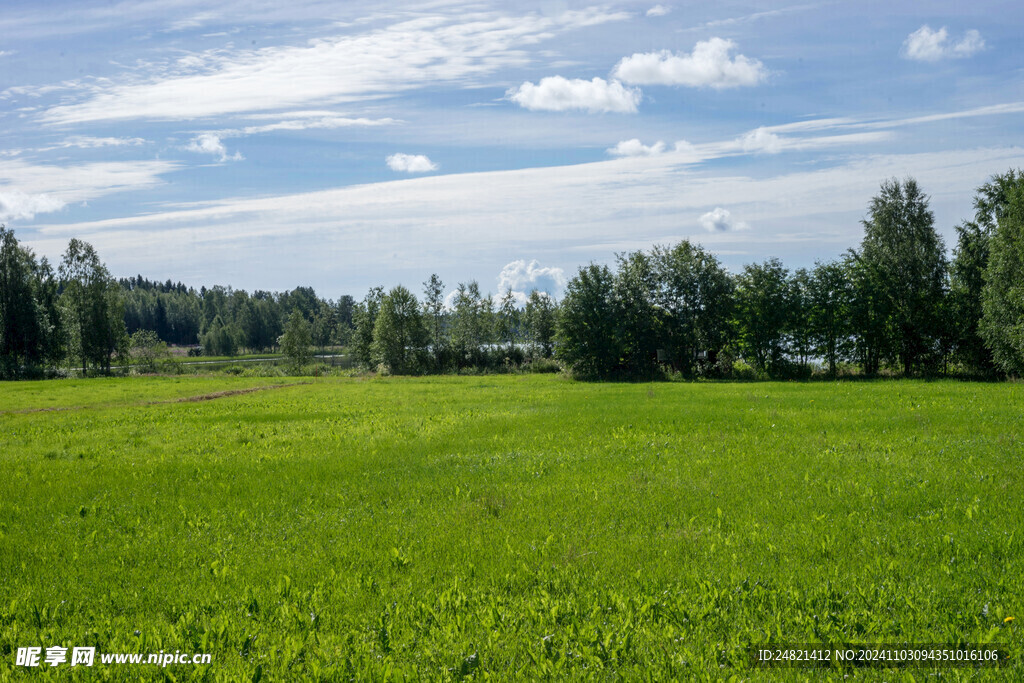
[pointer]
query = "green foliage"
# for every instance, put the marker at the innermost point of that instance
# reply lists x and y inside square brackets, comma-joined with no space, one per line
[365,318]
[540,316]
[92,307]
[296,341]
[586,336]
[399,335]
[636,317]
[695,294]
[904,264]
[507,323]
[433,313]
[763,315]
[830,298]
[147,352]
[967,272]
[220,338]
[1002,323]
[472,326]
[30,331]
[507,527]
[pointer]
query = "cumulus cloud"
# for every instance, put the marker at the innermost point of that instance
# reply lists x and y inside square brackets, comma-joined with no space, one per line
[635,148]
[556,93]
[926,45]
[522,278]
[410,163]
[709,65]
[21,206]
[720,220]
[658,11]
[761,140]
[210,143]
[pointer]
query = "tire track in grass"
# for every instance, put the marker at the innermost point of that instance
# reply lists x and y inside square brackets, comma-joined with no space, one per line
[183,399]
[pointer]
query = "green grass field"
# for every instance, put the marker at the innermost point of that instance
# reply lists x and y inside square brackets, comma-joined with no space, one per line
[506,527]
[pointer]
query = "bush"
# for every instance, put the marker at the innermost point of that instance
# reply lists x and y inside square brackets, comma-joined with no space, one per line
[263,370]
[540,365]
[741,369]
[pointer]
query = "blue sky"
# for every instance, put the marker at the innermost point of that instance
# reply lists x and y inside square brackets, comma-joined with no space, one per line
[343,145]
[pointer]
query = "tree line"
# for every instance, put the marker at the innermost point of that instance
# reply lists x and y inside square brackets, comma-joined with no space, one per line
[895,304]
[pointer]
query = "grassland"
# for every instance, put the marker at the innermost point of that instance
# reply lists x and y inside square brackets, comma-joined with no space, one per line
[506,527]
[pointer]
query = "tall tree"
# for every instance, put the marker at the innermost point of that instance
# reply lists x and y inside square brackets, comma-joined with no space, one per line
[637,316]
[507,324]
[586,335]
[297,340]
[471,324]
[1002,323]
[92,305]
[399,335]
[801,337]
[28,329]
[762,313]
[967,270]
[365,317]
[695,293]
[433,311]
[829,305]
[540,316]
[905,261]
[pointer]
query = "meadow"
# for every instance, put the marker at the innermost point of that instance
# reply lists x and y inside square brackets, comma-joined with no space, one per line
[506,527]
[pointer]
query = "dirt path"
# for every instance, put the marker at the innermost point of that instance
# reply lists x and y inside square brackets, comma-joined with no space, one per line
[184,399]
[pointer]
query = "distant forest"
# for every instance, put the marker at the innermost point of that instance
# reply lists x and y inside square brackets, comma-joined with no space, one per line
[897,305]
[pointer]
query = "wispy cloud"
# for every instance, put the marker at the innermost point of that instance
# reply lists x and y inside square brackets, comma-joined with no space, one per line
[323,122]
[711,65]
[410,163]
[747,18]
[556,93]
[926,45]
[28,189]
[439,222]
[658,11]
[377,63]
[89,142]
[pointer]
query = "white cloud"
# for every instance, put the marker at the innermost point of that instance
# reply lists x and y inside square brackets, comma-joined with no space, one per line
[926,45]
[195,21]
[210,143]
[635,148]
[709,65]
[761,140]
[376,63]
[658,11]
[556,93]
[20,206]
[720,220]
[410,163]
[971,42]
[88,142]
[464,224]
[27,189]
[309,123]
[522,278]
